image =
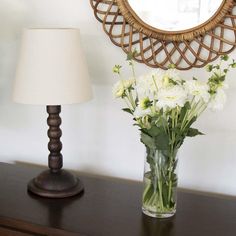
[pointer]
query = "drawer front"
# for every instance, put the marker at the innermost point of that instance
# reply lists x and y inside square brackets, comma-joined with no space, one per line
[10,232]
[13,227]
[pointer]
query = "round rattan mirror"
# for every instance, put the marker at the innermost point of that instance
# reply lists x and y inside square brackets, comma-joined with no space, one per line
[187,33]
[182,14]
[174,20]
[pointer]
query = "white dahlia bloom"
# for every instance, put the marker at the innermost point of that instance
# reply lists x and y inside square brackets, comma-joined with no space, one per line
[128,83]
[140,112]
[145,86]
[118,89]
[173,74]
[149,84]
[198,90]
[163,78]
[171,97]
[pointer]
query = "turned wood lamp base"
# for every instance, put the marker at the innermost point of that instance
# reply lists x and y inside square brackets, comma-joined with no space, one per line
[61,184]
[55,182]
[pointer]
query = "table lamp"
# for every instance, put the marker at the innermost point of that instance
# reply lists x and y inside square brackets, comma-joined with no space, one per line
[52,71]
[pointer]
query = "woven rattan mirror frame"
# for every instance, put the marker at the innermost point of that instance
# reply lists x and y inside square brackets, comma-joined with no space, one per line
[195,47]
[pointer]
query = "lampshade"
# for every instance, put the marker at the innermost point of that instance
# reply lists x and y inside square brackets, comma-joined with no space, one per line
[51,68]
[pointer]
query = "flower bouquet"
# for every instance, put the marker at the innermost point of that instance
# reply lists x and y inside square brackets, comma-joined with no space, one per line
[165,106]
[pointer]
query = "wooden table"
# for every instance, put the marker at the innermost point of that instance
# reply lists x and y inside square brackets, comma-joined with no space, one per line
[109,207]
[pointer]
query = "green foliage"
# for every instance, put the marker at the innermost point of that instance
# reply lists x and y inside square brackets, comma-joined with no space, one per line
[193,132]
[209,68]
[224,57]
[171,66]
[159,141]
[233,65]
[116,69]
[131,55]
[147,140]
[184,111]
[128,110]
[216,80]
[171,81]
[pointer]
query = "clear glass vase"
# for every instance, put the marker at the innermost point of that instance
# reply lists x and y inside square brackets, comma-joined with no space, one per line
[160,183]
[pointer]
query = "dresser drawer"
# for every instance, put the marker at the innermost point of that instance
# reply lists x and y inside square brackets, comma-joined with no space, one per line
[10,232]
[13,227]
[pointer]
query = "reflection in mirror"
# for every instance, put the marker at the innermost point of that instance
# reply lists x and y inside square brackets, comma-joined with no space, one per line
[175,15]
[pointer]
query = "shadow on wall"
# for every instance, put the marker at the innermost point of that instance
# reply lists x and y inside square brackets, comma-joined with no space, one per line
[12,19]
[13,16]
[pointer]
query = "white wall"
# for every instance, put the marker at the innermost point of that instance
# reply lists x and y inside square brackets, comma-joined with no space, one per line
[97,136]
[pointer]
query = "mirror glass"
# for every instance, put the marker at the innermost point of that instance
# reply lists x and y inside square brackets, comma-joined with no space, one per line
[175,15]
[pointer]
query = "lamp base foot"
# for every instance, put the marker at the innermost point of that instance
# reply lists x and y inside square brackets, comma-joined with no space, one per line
[60,184]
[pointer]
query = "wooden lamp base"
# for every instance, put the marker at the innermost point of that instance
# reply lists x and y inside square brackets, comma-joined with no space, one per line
[55,182]
[60,184]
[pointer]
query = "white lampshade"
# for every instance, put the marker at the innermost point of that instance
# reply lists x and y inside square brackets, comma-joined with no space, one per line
[51,68]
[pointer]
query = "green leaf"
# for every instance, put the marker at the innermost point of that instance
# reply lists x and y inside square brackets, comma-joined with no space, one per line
[162,141]
[191,122]
[221,78]
[171,66]
[193,132]
[233,65]
[131,55]
[187,105]
[184,110]
[209,68]
[177,130]
[224,57]
[128,110]
[171,81]
[174,179]
[226,70]
[154,131]
[165,191]
[148,175]
[147,140]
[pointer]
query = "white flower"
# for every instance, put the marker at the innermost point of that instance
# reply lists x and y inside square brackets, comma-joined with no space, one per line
[218,100]
[127,83]
[198,90]
[171,97]
[149,84]
[173,74]
[140,112]
[164,79]
[118,89]
[144,103]
[145,86]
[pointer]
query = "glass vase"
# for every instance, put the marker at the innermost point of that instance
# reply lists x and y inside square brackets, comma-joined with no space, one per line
[160,183]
